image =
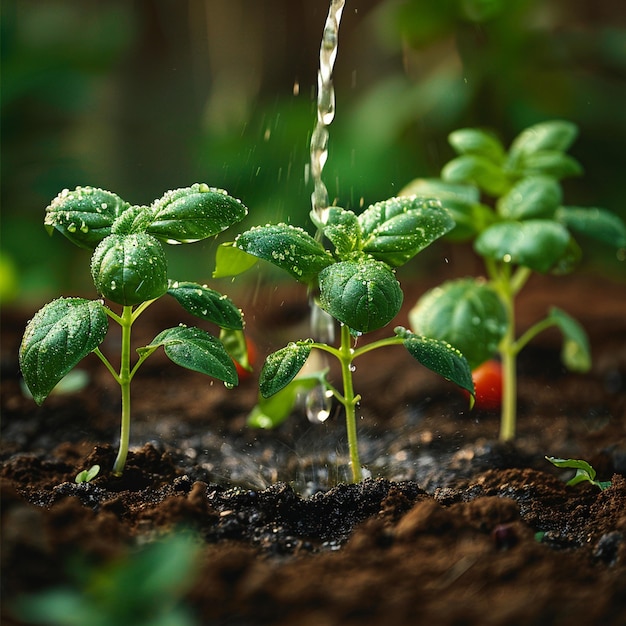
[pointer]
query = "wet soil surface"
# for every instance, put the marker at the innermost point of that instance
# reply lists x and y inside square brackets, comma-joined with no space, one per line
[453,527]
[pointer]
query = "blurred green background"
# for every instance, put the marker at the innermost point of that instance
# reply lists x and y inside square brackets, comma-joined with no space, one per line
[141,97]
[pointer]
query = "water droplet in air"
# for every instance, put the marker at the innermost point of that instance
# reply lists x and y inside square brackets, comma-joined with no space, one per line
[318,404]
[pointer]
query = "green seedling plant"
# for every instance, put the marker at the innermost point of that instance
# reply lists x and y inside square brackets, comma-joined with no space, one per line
[356,285]
[129,269]
[509,204]
[584,472]
[87,475]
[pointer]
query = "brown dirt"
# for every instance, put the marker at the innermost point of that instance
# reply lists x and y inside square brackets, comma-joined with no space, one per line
[443,533]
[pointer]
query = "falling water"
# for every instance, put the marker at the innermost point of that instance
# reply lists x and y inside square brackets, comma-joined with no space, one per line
[325,108]
[318,401]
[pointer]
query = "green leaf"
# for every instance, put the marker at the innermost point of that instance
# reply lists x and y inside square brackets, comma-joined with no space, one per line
[287,247]
[438,356]
[477,142]
[593,222]
[536,244]
[230,261]
[207,304]
[129,269]
[477,170]
[282,366]
[364,295]
[194,213]
[235,343]
[85,215]
[554,135]
[550,163]
[397,229]
[87,475]
[135,219]
[196,350]
[273,411]
[584,472]
[343,230]
[60,335]
[443,191]
[536,196]
[466,313]
[576,353]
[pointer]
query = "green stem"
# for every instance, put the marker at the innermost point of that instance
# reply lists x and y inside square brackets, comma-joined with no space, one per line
[126,322]
[349,402]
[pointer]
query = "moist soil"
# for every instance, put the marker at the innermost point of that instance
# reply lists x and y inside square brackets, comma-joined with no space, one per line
[451,526]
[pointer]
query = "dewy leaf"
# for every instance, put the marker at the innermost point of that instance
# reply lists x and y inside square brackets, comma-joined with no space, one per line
[194,213]
[477,170]
[273,411]
[576,353]
[395,230]
[535,196]
[597,223]
[343,230]
[478,142]
[288,247]
[230,261]
[207,304]
[438,356]
[536,244]
[196,350]
[129,269]
[282,366]
[60,335]
[135,219]
[364,295]
[466,313]
[85,215]
[556,135]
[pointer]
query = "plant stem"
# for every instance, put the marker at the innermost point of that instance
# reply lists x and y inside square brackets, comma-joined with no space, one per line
[126,322]
[349,402]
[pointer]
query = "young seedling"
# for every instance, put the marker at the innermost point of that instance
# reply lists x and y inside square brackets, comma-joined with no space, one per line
[357,287]
[584,472]
[87,475]
[524,229]
[129,268]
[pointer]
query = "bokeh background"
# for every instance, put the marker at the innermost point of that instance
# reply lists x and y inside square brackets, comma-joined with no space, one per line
[142,96]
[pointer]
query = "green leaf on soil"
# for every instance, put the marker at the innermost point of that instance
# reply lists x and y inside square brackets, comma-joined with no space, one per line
[60,335]
[584,472]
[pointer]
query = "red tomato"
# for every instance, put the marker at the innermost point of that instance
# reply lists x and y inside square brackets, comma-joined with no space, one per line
[241,371]
[488,384]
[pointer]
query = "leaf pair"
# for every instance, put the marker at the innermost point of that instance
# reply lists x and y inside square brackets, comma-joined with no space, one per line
[128,265]
[356,282]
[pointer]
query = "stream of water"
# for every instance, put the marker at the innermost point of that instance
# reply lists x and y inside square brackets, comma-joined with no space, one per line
[318,403]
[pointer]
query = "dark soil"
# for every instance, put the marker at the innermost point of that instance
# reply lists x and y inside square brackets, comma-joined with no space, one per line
[453,528]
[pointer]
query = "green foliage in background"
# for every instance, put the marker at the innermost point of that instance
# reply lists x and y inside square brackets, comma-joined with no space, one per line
[117,95]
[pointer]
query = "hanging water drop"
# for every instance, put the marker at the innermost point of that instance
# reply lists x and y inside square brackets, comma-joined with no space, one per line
[318,404]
